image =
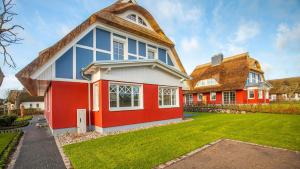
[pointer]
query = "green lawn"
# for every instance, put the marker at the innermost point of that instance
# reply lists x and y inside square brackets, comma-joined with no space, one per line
[25,118]
[7,143]
[5,139]
[151,147]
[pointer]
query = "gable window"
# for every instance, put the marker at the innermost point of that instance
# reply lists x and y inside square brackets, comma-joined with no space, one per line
[168,97]
[250,94]
[213,96]
[260,94]
[118,48]
[125,96]
[95,96]
[254,78]
[206,82]
[141,21]
[132,17]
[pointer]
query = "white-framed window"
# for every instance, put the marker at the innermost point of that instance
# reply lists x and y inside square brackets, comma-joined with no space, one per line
[132,17]
[141,21]
[123,96]
[118,49]
[189,99]
[151,53]
[30,105]
[199,96]
[260,94]
[251,94]
[168,97]
[273,97]
[37,105]
[213,95]
[96,96]
[137,19]
[229,97]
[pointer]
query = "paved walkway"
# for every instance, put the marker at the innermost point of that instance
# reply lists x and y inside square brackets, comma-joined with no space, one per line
[229,154]
[39,150]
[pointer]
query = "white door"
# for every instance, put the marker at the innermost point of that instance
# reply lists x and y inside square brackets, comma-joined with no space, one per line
[81,120]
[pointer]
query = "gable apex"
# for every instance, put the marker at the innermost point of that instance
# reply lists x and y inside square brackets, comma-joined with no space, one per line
[129,1]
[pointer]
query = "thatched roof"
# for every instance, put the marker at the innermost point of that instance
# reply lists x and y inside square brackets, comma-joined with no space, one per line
[22,96]
[106,16]
[285,86]
[1,77]
[231,74]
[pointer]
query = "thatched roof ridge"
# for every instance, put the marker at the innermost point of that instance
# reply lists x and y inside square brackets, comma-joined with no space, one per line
[285,86]
[231,74]
[107,16]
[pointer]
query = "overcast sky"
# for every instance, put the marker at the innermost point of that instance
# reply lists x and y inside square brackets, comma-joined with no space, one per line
[268,29]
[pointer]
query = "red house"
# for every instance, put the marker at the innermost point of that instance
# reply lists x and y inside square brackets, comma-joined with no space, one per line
[234,80]
[115,71]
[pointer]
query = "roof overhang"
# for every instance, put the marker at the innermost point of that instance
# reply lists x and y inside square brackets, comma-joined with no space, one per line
[109,65]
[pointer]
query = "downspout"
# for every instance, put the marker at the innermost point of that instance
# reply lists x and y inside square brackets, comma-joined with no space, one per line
[89,95]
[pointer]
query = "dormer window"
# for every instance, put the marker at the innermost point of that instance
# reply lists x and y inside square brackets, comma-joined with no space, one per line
[132,17]
[141,21]
[206,82]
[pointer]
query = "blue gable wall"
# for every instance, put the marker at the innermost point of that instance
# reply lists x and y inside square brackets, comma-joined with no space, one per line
[87,40]
[102,56]
[64,65]
[103,39]
[84,57]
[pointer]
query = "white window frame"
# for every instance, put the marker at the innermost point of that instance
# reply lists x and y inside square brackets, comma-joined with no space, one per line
[152,50]
[199,94]
[260,94]
[96,100]
[267,94]
[123,41]
[248,94]
[176,96]
[118,108]
[229,97]
[211,93]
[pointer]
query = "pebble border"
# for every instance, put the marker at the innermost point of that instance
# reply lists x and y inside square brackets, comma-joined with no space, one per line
[65,158]
[161,166]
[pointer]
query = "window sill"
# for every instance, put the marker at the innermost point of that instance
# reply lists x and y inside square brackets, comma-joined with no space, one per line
[250,98]
[165,107]
[125,108]
[95,110]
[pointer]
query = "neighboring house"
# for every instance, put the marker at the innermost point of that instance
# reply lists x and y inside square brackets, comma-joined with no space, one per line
[118,70]
[234,80]
[1,77]
[287,89]
[22,97]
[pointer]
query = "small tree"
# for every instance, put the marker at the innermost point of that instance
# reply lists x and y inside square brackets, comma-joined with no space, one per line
[8,34]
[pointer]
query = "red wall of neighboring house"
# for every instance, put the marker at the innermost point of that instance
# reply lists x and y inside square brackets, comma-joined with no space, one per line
[151,112]
[241,98]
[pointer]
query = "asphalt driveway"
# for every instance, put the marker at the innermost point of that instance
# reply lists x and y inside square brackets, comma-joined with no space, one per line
[228,154]
[39,150]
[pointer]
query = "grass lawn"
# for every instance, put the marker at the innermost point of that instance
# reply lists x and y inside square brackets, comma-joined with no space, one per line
[7,143]
[151,147]
[5,140]
[25,118]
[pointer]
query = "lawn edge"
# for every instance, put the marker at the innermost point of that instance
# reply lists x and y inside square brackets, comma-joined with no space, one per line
[15,154]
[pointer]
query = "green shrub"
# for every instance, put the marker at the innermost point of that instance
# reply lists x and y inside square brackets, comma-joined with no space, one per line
[7,120]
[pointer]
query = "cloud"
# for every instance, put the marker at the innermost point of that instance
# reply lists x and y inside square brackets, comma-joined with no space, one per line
[246,31]
[190,45]
[288,37]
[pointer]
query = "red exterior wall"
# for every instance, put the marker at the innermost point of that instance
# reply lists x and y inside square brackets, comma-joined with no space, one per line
[151,111]
[48,106]
[66,98]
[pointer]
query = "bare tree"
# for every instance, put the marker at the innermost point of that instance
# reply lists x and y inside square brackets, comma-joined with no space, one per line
[8,35]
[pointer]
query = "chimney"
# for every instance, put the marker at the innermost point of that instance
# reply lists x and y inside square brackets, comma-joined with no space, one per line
[217,59]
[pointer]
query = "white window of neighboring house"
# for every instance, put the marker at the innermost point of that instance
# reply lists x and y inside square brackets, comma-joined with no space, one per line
[296,96]
[95,96]
[260,94]
[250,94]
[213,95]
[30,105]
[189,99]
[267,94]
[200,97]
[118,49]
[37,105]
[125,96]
[273,97]
[168,97]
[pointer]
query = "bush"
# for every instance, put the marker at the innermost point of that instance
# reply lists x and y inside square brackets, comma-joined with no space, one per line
[7,120]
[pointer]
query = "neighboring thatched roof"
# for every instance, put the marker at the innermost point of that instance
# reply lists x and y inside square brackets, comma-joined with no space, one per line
[20,96]
[231,74]
[1,77]
[285,86]
[106,16]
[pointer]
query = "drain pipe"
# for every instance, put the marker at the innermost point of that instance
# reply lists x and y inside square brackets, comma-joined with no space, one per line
[89,95]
